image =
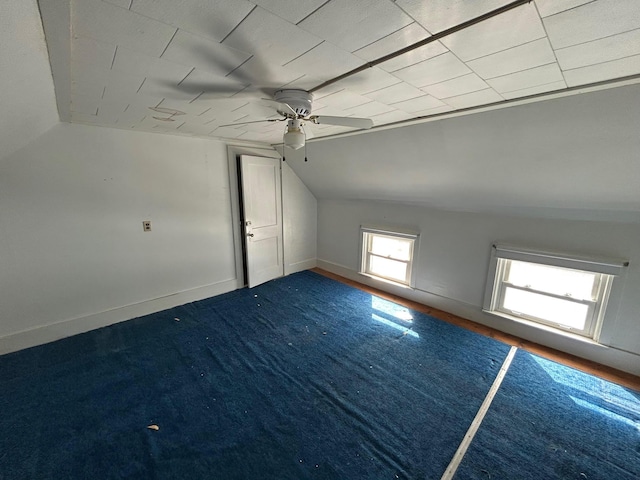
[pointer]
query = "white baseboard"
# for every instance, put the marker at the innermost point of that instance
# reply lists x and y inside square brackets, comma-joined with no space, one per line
[300,266]
[67,328]
[603,354]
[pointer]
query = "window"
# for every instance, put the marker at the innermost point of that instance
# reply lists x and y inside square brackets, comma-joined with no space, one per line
[388,254]
[564,292]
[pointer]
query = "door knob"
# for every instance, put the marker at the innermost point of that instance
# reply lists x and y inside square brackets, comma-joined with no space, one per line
[249,234]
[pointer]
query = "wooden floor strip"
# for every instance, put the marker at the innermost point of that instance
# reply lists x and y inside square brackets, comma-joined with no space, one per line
[607,373]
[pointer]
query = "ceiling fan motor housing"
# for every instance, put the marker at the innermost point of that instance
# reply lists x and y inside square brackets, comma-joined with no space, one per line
[299,100]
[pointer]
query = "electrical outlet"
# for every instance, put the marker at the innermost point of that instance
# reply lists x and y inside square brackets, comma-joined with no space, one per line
[146,225]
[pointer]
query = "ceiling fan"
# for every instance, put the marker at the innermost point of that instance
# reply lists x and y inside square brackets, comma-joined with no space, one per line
[295,107]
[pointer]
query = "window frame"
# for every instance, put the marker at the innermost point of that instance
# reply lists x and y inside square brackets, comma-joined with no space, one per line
[605,271]
[366,239]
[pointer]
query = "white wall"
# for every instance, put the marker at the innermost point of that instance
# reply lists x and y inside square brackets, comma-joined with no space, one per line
[300,215]
[453,260]
[73,255]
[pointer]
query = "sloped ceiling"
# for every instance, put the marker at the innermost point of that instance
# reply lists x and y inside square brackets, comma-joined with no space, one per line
[571,157]
[213,60]
[26,87]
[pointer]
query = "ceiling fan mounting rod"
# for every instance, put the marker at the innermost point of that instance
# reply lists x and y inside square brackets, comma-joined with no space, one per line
[426,41]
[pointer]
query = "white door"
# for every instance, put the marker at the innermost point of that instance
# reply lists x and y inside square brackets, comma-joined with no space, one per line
[262,200]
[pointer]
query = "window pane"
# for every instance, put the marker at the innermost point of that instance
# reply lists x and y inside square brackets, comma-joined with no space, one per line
[398,248]
[556,310]
[385,267]
[560,281]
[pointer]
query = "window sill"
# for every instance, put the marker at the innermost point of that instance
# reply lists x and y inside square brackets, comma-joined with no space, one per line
[556,331]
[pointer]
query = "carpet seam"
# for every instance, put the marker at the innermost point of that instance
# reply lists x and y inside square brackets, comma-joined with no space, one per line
[477,421]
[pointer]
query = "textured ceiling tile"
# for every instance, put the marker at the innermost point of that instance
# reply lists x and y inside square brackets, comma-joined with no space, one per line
[457,86]
[323,62]
[192,110]
[368,80]
[391,117]
[438,15]
[527,78]
[228,132]
[433,111]
[473,99]
[599,51]
[270,38]
[354,24]
[89,53]
[120,3]
[267,75]
[93,82]
[155,88]
[110,113]
[291,10]
[370,109]
[204,54]
[393,42]
[213,19]
[591,21]
[548,87]
[523,57]
[84,104]
[132,62]
[515,27]
[343,100]
[551,7]
[414,56]
[603,71]
[425,102]
[84,118]
[211,86]
[395,93]
[435,70]
[107,23]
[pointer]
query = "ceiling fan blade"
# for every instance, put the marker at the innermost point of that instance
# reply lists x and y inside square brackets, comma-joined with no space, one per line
[256,121]
[280,107]
[342,121]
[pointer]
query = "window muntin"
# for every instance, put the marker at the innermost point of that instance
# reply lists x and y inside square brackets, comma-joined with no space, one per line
[564,292]
[388,255]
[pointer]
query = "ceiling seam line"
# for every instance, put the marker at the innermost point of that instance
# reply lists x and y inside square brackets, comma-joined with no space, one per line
[170,40]
[602,63]
[426,41]
[524,70]
[239,23]
[569,9]
[307,16]
[231,72]
[544,27]
[302,54]
[534,86]
[449,79]
[378,89]
[393,72]
[597,39]
[186,76]
[392,33]
[489,87]
[510,48]
[113,60]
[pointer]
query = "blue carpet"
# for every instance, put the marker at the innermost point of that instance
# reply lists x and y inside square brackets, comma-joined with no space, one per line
[549,421]
[300,378]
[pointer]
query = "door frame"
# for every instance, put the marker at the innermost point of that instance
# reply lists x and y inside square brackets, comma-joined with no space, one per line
[233,154]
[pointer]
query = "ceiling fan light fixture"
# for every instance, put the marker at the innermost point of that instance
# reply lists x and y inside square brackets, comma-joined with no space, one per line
[294,136]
